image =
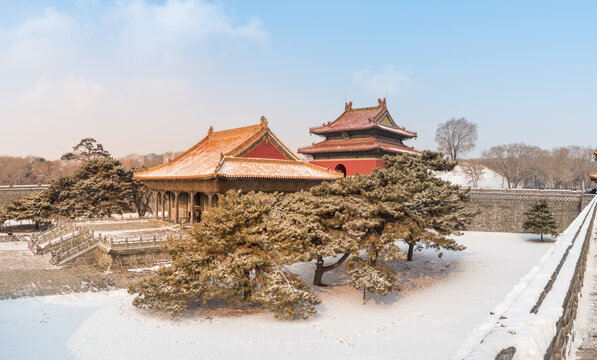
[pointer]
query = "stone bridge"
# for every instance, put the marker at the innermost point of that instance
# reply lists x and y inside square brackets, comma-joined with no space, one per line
[11,192]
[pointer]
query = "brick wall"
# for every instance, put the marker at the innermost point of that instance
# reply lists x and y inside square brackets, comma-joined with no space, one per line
[10,193]
[502,210]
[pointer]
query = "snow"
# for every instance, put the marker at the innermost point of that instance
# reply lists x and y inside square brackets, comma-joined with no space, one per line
[512,323]
[13,245]
[153,268]
[441,301]
[489,180]
[584,323]
[10,223]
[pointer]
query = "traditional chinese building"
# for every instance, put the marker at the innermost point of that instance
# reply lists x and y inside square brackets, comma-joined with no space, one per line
[249,158]
[358,139]
[593,176]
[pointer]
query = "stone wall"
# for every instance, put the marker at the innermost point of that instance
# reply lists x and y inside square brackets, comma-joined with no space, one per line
[128,258]
[10,193]
[502,210]
[103,256]
[558,347]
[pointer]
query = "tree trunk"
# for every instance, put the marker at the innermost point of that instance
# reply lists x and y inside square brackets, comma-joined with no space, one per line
[320,269]
[411,248]
[541,237]
[364,294]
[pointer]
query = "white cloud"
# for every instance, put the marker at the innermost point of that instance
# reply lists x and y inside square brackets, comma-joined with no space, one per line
[123,35]
[70,94]
[387,79]
[177,22]
[115,69]
[41,41]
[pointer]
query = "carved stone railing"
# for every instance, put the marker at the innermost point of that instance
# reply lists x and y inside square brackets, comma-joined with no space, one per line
[87,240]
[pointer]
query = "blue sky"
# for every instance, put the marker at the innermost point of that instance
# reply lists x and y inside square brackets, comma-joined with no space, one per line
[152,76]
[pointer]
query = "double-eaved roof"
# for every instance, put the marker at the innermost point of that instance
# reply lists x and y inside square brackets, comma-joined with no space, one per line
[362,130]
[375,117]
[245,152]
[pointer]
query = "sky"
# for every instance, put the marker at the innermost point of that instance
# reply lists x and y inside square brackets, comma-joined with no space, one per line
[146,76]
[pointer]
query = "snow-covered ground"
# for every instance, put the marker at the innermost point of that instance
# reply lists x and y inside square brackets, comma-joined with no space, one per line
[455,294]
[490,179]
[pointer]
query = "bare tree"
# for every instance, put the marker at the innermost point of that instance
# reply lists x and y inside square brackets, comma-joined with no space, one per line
[515,162]
[456,137]
[473,171]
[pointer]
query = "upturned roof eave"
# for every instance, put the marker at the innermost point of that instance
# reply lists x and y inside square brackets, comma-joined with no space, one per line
[309,150]
[326,130]
[328,174]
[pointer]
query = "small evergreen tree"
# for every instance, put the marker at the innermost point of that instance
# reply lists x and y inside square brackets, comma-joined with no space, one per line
[540,219]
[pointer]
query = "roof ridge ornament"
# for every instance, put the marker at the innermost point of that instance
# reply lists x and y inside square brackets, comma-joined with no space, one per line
[263,121]
[210,131]
[348,106]
[381,102]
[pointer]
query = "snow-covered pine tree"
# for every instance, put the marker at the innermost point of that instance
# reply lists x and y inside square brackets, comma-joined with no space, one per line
[35,207]
[320,223]
[334,219]
[363,216]
[433,208]
[100,187]
[540,219]
[229,256]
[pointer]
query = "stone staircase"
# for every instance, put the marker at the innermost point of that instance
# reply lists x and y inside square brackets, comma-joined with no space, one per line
[52,238]
[85,241]
[78,244]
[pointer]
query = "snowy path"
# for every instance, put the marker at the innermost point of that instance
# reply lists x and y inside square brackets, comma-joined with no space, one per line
[430,323]
[585,342]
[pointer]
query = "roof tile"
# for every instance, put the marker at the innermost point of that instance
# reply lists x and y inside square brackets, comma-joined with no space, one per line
[215,156]
[361,119]
[271,168]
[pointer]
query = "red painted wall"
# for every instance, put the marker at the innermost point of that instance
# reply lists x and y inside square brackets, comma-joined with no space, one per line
[265,151]
[353,166]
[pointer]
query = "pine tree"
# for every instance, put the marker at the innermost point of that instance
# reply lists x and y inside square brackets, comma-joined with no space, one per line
[434,208]
[319,223]
[35,207]
[86,149]
[240,250]
[540,219]
[363,216]
[229,256]
[100,187]
[139,195]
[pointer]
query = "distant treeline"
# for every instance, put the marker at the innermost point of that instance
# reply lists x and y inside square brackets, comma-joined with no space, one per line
[17,170]
[521,165]
[526,166]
